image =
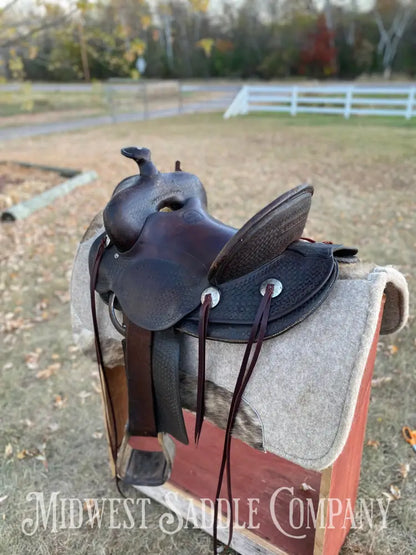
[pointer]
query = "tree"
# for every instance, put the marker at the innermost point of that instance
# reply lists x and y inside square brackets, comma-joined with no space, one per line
[318,55]
[400,16]
[19,27]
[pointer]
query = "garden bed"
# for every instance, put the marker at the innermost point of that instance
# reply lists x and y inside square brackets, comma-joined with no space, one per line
[25,188]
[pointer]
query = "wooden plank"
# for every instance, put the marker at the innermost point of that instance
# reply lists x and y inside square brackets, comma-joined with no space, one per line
[269,98]
[268,108]
[64,172]
[244,541]
[377,112]
[322,516]
[379,101]
[24,209]
[319,110]
[321,100]
[256,475]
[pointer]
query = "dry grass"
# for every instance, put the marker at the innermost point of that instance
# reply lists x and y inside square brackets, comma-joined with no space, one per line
[364,176]
[18,183]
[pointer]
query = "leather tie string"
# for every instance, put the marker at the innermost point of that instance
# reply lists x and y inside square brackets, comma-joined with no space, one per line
[256,338]
[202,335]
[109,418]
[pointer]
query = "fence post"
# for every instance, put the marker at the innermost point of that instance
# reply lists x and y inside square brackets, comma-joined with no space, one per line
[144,100]
[410,102]
[348,101]
[244,101]
[239,105]
[108,89]
[180,97]
[294,101]
[28,100]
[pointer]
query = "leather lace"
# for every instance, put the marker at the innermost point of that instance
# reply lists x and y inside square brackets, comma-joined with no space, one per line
[109,418]
[202,335]
[248,364]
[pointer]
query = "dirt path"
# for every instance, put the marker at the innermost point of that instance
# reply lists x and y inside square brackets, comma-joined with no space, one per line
[21,131]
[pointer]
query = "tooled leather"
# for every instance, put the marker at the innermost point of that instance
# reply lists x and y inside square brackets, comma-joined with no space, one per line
[307,272]
[165,371]
[266,235]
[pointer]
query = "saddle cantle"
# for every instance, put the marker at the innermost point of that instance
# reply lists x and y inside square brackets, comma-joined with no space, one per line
[171,268]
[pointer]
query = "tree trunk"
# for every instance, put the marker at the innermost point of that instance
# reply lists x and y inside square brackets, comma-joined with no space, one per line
[84,55]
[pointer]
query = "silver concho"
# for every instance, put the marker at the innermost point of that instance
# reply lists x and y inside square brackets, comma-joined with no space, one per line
[215,296]
[278,287]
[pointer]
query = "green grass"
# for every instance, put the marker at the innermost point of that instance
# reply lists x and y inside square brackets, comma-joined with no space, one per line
[321,120]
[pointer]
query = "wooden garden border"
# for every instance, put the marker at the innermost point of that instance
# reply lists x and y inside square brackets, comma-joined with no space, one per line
[26,208]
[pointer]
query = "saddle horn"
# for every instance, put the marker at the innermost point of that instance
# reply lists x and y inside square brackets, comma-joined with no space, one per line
[142,157]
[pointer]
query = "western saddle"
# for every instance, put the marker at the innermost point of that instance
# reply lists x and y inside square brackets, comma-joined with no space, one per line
[172,269]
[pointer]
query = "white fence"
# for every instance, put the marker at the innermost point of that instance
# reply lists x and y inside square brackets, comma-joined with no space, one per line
[346,100]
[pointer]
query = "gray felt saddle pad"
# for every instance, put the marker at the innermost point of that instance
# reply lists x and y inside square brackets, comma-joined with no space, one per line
[307,380]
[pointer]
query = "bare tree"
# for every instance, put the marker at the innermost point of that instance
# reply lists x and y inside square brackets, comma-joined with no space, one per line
[390,37]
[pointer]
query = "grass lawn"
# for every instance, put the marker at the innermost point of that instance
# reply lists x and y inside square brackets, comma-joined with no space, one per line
[51,427]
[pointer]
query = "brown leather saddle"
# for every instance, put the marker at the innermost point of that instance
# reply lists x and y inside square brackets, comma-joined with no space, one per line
[171,268]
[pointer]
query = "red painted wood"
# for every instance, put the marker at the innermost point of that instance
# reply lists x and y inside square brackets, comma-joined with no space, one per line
[346,469]
[258,475]
[255,475]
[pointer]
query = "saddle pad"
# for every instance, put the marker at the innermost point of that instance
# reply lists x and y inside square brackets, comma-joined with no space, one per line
[306,382]
[305,379]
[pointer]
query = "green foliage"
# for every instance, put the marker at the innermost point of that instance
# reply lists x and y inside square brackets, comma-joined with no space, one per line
[182,38]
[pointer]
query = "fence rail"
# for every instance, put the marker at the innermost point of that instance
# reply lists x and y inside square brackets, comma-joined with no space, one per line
[143,98]
[346,100]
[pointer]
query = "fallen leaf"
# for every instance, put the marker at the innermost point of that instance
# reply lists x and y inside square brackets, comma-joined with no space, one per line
[84,395]
[28,453]
[53,427]
[96,387]
[49,371]
[404,469]
[32,360]
[306,487]
[395,492]
[380,381]
[55,356]
[8,451]
[97,435]
[8,365]
[59,402]
[90,504]
[63,296]
[393,349]
[373,443]
[43,305]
